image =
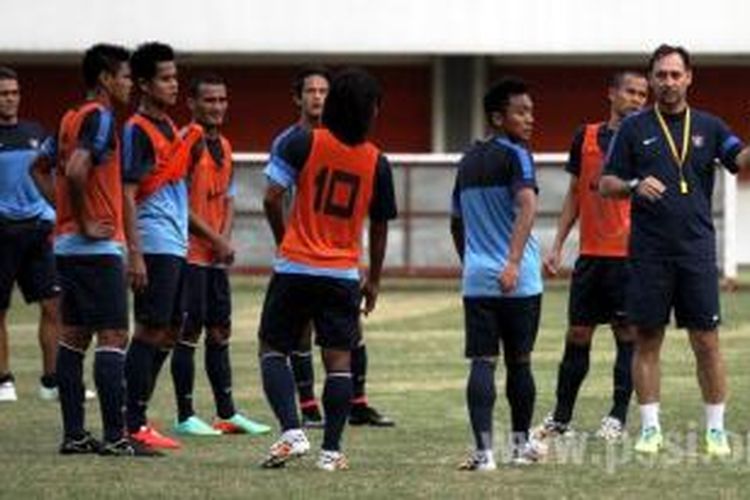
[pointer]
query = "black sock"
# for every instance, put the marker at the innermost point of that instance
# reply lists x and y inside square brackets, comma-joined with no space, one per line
[337,398]
[109,376]
[48,380]
[521,393]
[159,358]
[573,369]
[623,381]
[219,371]
[7,377]
[139,366]
[70,387]
[480,399]
[183,378]
[304,376]
[278,384]
[359,374]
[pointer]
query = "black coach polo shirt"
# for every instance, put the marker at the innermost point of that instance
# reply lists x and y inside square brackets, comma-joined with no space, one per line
[679,224]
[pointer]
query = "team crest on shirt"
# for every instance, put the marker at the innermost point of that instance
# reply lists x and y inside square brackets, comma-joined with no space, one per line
[698,141]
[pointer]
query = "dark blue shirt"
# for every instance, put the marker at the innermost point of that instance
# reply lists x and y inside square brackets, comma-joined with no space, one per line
[677,225]
[20,144]
[484,197]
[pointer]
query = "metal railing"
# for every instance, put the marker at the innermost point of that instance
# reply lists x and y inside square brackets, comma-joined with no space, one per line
[419,242]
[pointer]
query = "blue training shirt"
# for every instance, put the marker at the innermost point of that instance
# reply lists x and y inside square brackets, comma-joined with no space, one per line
[163,216]
[489,175]
[678,225]
[20,144]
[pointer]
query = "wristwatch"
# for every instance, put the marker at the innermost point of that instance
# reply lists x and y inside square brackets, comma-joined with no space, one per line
[633,185]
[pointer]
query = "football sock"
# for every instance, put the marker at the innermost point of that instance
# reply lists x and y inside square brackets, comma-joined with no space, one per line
[337,396]
[109,377]
[715,416]
[650,415]
[480,398]
[219,371]
[571,372]
[359,374]
[70,387]
[139,369]
[623,381]
[304,375]
[278,384]
[183,377]
[520,391]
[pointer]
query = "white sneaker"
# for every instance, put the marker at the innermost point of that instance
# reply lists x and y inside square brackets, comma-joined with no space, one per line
[52,394]
[8,392]
[550,429]
[332,461]
[291,444]
[479,461]
[530,452]
[611,429]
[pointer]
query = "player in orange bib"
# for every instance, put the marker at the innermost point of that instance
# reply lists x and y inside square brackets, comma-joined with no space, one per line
[309,91]
[597,292]
[89,248]
[340,179]
[211,191]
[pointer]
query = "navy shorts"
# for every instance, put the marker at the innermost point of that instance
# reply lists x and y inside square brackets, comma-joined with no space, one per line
[94,291]
[689,286]
[26,258]
[209,302]
[514,321]
[163,302]
[293,300]
[597,291]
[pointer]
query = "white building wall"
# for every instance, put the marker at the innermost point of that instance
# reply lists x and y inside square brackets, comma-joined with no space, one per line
[552,27]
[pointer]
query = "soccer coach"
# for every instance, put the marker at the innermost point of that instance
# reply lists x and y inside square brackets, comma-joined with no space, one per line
[665,157]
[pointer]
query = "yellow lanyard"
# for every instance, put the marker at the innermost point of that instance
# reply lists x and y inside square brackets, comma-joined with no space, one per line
[682,156]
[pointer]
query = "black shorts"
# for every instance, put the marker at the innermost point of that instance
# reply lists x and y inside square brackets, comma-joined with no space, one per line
[490,320]
[209,302]
[597,291]
[293,300]
[690,286]
[94,291]
[163,302]
[26,258]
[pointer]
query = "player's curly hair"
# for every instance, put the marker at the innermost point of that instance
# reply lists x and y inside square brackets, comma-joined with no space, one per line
[351,105]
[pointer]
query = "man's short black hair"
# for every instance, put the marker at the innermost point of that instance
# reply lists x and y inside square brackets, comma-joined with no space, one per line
[664,50]
[147,56]
[298,83]
[498,96]
[617,79]
[100,58]
[204,79]
[350,106]
[7,73]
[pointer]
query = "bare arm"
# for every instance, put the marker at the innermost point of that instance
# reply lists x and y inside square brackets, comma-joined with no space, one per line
[651,188]
[566,221]
[41,174]
[273,207]
[526,202]
[220,243]
[457,233]
[378,236]
[743,158]
[136,265]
